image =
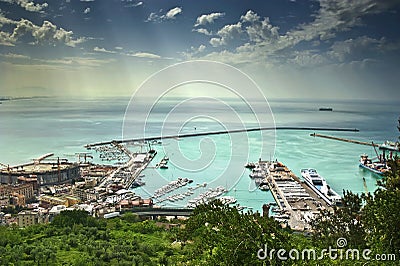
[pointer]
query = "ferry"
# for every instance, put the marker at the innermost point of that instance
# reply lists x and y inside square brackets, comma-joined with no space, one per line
[378,167]
[318,184]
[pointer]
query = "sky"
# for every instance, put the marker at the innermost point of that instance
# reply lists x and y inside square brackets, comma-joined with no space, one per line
[338,49]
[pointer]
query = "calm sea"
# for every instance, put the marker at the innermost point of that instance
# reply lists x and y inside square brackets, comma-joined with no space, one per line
[33,127]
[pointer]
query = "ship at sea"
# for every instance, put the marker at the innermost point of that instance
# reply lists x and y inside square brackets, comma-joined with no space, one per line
[318,184]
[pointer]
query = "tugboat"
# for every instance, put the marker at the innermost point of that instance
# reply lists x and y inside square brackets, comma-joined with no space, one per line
[318,184]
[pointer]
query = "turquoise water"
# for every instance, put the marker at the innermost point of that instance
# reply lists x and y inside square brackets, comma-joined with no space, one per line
[30,128]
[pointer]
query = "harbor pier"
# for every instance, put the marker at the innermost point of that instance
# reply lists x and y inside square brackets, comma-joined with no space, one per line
[297,203]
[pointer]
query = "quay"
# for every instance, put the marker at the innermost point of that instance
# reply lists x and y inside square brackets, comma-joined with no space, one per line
[297,203]
[345,140]
[89,146]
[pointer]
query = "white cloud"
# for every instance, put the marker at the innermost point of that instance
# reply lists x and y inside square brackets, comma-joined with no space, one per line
[250,16]
[335,16]
[203,31]
[255,39]
[201,48]
[153,17]
[87,10]
[15,56]
[103,50]
[5,39]
[87,62]
[307,58]
[250,26]
[48,34]
[354,49]
[208,18]
[144,55]
[259,30]
[130,4]
[171,14]
[28,5]
[227,33]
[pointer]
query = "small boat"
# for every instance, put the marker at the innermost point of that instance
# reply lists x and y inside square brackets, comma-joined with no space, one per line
[163,166]
[329,109]
[227,200]
[318,184]
[377,167]
[264,187]
[250,165]
[257,174]
[138,183]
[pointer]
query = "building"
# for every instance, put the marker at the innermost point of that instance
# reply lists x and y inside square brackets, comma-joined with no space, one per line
[17,200]
[28,218]
[86,194]
[46,173]
[67,201]
[4,201]
[50,200]
[19,193]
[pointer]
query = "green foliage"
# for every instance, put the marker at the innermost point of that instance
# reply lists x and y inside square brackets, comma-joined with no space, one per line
[217,234]
[74,238]
[72,218]
[343,222]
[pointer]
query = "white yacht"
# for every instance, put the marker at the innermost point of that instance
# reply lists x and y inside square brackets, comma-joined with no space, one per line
[319,185]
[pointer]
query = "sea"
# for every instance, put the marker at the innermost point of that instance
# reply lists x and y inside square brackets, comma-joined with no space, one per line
[32,127]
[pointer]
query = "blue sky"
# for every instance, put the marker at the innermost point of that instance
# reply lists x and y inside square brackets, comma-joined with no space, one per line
[291,48]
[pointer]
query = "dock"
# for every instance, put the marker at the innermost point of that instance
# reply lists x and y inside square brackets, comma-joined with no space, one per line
[345,140]
[297,203]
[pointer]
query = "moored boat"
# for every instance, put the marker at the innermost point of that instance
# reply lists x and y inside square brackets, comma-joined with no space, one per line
[250,165]
[378,167]
[318,184]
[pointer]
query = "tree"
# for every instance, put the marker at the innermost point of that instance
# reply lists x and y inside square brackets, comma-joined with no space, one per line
[342,222]
[217,234]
